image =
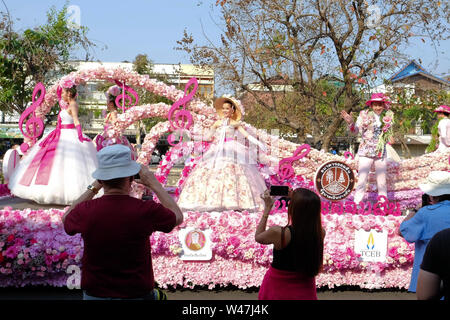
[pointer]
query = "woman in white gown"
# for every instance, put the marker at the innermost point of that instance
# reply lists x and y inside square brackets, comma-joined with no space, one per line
[57,169]
[226,178]
[443,113]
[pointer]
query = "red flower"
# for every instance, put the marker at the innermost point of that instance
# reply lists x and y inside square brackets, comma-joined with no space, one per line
[10,238]
[63,256]
[1,258]
[33,241]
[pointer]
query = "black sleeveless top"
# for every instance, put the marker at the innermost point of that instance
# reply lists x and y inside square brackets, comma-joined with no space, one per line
[284,259]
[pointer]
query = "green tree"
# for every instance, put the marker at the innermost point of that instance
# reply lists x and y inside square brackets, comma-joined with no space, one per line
[306,41]
[35,55]
[413,111]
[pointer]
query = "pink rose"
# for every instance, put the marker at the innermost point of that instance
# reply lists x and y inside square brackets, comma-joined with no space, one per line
[67,84]
[387,119]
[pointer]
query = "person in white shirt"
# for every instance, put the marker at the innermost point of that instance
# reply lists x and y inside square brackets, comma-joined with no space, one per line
[443,112]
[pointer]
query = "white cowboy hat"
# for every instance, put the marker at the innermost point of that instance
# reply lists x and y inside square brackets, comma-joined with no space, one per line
[436,184]
[115,162]
[218,103]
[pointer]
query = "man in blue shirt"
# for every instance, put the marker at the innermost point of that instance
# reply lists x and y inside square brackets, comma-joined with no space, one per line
[420,227]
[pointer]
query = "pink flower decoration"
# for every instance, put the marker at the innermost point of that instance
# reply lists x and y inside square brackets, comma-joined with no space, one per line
[67,83]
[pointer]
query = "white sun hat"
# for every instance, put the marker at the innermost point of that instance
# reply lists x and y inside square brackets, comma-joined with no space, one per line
[115,162]
[436,184]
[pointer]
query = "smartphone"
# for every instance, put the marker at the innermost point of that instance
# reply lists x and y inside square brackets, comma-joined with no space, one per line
[279,190]
[136,176]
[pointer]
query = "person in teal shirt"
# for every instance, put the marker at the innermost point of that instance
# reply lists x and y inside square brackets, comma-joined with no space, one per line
[420,227]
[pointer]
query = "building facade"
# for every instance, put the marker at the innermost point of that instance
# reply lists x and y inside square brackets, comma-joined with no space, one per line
[92,99]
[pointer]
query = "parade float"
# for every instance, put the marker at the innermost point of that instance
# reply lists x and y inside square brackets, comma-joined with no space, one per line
[362,244]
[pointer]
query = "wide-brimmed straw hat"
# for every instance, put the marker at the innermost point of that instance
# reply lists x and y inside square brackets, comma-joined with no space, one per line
[379,97]
[115,162]
[237,115]
[442,108]
[436,184]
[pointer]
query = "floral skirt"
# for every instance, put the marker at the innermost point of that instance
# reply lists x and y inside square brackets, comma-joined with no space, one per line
[232,186]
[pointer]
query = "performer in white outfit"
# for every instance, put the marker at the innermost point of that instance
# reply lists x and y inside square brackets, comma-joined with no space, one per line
[227,177]
[443,112]
[58,168]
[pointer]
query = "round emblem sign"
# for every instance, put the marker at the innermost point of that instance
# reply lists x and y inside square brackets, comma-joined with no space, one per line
[335,180]
[195,240]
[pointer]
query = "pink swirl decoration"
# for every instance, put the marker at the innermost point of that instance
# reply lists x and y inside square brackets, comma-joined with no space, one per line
[123,100]
[34,126]
[279,206]
[181,119]
[285,169]
[348,154]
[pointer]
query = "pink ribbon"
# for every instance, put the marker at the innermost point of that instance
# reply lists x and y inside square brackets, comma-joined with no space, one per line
[43,161]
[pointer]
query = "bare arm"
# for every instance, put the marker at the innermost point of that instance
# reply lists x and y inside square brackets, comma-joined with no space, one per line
[349,119]
[113,117]
[273,234]
[428,286]
[147,178]
[209,134]
[73,110]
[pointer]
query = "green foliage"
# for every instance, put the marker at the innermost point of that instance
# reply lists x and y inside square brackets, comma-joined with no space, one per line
[35,55]
[434,138]
[412,110]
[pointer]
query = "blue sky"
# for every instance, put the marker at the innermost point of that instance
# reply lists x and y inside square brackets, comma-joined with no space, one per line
[131,27]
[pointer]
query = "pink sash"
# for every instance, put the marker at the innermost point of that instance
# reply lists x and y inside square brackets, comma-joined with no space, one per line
[43,161]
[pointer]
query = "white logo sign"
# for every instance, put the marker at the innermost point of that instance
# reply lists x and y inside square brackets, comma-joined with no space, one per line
[372,245]
[196,244]
[74,17]
[74,280]
[374,16]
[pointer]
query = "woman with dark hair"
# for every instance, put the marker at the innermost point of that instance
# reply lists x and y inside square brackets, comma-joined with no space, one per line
[106,138]
[56,170]
[297,248]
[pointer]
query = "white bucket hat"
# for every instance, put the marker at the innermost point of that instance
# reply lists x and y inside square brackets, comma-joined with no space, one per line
[115,162]
[436,184]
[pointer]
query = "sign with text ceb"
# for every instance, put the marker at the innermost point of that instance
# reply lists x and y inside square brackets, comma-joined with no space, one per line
[371,245]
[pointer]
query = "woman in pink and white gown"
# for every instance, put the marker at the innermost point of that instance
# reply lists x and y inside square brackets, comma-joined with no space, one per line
[58,168]
[226,177]
[105,138]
